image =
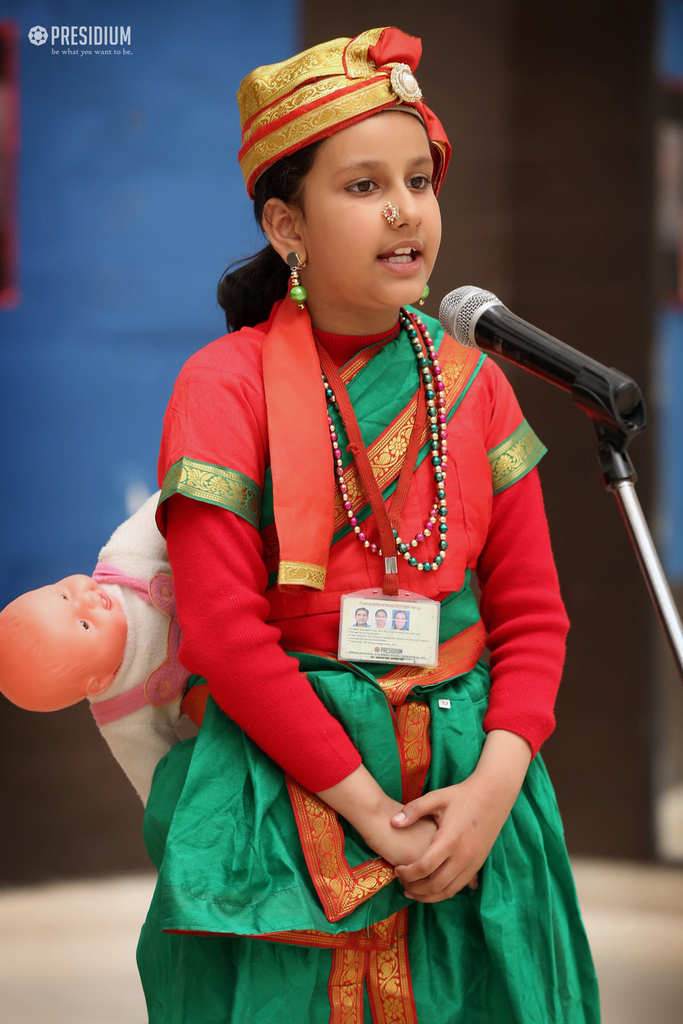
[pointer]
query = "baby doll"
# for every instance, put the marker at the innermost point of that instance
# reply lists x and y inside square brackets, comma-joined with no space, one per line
[112,638]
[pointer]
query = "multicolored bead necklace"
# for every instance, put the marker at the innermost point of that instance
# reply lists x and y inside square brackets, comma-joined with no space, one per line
[436,412]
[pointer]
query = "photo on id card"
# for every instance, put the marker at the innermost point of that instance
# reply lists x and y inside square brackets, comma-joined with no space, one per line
[400,630]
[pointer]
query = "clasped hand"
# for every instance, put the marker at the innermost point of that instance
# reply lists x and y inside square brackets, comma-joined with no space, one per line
[464,835]
[468,816]
[438,842]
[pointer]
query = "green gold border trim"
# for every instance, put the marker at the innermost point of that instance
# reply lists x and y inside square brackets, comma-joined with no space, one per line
[216,485]
[514,457]
[301,574]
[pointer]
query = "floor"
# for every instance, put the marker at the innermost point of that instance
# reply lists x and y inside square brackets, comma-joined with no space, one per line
[67,952]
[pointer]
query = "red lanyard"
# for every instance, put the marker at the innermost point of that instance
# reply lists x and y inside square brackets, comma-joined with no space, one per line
[386,522]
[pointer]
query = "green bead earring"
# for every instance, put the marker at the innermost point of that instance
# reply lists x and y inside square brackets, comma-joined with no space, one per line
[297,292]
[425,293]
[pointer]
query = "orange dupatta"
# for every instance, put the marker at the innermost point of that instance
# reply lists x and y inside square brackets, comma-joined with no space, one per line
[300,456]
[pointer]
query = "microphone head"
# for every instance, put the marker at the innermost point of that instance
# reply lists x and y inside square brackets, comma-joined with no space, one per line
[460,310]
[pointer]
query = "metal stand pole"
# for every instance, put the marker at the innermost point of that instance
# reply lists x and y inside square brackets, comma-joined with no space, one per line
[641,538]
[619,476]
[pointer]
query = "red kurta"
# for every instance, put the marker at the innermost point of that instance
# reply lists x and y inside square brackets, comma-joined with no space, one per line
[232,624]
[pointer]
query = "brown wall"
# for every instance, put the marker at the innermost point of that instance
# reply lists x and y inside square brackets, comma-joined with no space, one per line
[581,249]
[66,809]
[548,204]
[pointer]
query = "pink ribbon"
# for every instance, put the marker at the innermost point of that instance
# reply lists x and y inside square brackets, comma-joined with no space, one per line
[105,573]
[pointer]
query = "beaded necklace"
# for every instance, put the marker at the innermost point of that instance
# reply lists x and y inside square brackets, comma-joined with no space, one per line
[434,388]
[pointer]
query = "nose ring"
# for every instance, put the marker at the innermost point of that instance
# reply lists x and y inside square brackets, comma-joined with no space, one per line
[390,211]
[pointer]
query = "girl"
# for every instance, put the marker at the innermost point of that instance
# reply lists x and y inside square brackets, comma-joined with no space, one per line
[355,840]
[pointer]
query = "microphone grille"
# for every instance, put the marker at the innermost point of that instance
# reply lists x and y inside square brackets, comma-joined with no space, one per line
[460,310]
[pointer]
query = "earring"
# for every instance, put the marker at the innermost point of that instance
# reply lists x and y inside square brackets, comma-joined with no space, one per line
[297,292]
[390,211]
[425,293]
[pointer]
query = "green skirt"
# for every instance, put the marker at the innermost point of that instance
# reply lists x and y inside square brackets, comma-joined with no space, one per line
[221,827]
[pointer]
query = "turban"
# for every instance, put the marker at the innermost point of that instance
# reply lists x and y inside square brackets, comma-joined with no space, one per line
[286,106]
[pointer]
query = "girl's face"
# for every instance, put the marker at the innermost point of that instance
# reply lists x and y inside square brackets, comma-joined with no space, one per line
[355,278]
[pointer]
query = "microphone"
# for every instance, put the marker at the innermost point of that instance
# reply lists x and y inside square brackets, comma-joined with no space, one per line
[478,318]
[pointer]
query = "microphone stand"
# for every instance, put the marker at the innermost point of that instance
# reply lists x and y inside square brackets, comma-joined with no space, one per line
[616,428]
[612,401]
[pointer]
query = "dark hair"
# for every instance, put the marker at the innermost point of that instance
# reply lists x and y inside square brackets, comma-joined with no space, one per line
[247,293]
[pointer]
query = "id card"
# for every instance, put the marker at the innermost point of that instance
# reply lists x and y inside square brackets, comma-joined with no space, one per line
[401,630]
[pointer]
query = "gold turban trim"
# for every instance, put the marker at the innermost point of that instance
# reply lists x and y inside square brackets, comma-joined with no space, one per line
[286,106]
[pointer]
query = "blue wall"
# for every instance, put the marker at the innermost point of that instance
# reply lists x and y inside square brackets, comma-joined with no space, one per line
[131,205]
[669,391]
[669,350]
[670,39]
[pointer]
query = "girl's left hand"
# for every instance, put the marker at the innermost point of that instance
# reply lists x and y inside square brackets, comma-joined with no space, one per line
[469,817]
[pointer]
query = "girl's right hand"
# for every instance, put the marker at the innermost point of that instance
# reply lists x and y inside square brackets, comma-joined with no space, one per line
[362,801]
[399,846]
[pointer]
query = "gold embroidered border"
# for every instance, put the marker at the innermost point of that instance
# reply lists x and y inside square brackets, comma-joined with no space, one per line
[456,656]
[377,936]
[442,150]
[356,54]
[390,988]
[301,574]
[348,372]
[313,122]
[387,452]
[340,887]
[345,987]
[414,718]
[265,85]
[216,485]
[308,93]
[514,457]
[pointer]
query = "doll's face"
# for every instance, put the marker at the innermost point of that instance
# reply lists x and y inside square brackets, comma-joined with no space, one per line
[354,278]
[71,637]
[87,625]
